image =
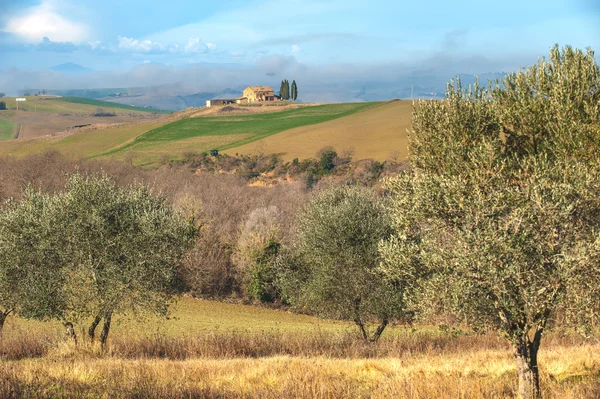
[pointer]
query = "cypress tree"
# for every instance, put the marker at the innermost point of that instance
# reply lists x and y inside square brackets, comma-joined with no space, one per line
[282,89]
[287,89]
[294,91]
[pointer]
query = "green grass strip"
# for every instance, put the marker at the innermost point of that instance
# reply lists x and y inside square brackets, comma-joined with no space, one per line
[6,130]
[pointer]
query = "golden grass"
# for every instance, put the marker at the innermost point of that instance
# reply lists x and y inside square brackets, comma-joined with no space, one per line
[211,349]
[481,374]
[374,133]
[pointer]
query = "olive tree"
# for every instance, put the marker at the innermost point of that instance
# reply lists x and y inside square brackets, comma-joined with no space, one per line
[29,261]
[120,248]
[506,195]
[256,252]
[333,271]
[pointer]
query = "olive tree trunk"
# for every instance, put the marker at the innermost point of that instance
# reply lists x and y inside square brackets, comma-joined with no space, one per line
[525,352]
[379,330]
[361,325]
[93,326]
[105,329]
[3,316]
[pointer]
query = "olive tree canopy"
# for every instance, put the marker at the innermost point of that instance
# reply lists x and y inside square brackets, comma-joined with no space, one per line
[334,269]
[506,194]
[91,251]
[30,274]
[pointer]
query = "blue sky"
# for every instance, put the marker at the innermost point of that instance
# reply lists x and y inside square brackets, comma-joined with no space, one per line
[349,35]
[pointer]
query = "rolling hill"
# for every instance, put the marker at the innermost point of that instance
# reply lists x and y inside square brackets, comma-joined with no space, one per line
[373,130]
[376,133]
[44,115]
[223,132]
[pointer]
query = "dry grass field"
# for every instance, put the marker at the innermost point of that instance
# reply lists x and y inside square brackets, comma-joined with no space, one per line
[373,133]
[41,124]
[210,349]
[569,374]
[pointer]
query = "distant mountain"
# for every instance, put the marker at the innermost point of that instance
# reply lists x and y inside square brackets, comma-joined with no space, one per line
[71,68]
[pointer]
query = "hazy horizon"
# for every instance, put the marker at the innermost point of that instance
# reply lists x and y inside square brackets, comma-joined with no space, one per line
[337,50]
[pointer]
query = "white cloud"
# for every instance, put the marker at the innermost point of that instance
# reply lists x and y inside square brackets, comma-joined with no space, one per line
[146,46]
[139,46]
[195,45]
[295,49]
[95,44]
[44,21]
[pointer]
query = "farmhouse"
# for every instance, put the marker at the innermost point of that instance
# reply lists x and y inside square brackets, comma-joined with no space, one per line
[253,94]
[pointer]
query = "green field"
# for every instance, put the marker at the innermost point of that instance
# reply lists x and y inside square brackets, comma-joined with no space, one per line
[101,103]
[224,132]
[74,105]
[6,130]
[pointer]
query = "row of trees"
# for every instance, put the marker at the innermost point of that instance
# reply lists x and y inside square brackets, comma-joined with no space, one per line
[287,93]
[497,224]
[90,252]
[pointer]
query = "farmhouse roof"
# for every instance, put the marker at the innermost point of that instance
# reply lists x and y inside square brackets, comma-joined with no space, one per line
[260,88]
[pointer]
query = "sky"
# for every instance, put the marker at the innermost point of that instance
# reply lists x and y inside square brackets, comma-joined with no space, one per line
[142,42]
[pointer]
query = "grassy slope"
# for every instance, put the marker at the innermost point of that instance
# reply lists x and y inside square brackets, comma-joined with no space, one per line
[6,130]
[374,130]
[223,132]
[374,133]
[105,104]
[84,144]
[191,317]
[73,105]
